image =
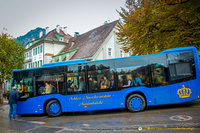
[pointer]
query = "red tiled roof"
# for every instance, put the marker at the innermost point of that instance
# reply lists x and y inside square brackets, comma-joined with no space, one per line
[89,42]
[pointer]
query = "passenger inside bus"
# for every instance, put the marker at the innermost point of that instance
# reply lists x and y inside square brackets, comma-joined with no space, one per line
[53,88]
[21,90]
[125,81]
[81,85]
[47,88]
[41,90]
[92,84]
[104,84]
[112,83]
[138,80]
[69,86]
[157,76]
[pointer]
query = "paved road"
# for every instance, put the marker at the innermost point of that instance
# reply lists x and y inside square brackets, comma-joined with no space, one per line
[177,118]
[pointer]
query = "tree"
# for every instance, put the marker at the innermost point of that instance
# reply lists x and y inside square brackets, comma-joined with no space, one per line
[11,57]
[159,26]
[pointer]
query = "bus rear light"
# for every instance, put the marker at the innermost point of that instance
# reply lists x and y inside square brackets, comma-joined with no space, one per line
[198,96]
[40,109]
[38,105]
[150,101]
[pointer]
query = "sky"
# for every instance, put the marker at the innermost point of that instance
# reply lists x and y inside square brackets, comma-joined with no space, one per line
[17,17]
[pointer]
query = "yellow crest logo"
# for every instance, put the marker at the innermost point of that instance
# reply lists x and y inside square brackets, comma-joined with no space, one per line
[184,92]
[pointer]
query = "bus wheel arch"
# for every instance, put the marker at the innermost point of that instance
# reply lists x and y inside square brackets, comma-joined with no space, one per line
[136,97]
[55,104]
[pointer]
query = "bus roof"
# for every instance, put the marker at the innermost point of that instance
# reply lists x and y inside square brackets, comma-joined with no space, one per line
[71,62]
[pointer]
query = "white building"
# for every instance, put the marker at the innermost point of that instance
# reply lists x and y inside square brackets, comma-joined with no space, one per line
[96,44]
[40,51]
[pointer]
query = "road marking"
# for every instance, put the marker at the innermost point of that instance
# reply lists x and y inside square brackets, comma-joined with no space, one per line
[37,122]
[180,118]
[34,122]
[86,125]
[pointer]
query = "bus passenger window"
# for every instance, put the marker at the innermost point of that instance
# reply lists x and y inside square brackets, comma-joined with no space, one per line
[181,67]
[132,74]
[101,77]
[49,84]
[75,83]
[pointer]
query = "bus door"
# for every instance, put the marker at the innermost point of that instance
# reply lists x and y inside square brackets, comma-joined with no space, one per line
[75,87]
[161,89]
[102,88]
[160,80]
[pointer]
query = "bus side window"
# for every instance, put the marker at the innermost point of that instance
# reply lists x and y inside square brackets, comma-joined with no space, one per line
[132,72]
[49,84]
[101,77]
[75,82]
[181,67]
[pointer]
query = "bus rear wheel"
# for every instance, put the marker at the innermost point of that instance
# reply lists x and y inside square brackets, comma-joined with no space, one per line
[53,108]
[136,103]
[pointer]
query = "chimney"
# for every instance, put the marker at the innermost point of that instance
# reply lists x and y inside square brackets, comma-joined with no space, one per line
[40,35]
[58,28]
[76,34]
[47,30]
[65,30]
[33,38]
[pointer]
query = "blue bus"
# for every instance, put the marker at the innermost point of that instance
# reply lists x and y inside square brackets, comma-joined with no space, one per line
[169,77]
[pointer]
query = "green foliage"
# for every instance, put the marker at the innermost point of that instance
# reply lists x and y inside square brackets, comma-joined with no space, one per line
[160,26]
[11,56]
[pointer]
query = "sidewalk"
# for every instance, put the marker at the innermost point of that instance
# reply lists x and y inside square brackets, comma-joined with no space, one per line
[4,107]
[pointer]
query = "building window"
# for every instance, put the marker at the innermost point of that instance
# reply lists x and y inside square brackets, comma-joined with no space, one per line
[36,51]
[29,53]
[33,52]
[61,39]
[31,65]
[40,62]
[35,64]
[41,49]
[109,52]
[121,53]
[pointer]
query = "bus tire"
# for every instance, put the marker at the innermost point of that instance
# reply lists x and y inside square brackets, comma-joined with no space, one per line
[53,108]
[136,103]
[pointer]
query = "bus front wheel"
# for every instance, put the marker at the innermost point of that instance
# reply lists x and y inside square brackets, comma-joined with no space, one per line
[136,103]
[53,108]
